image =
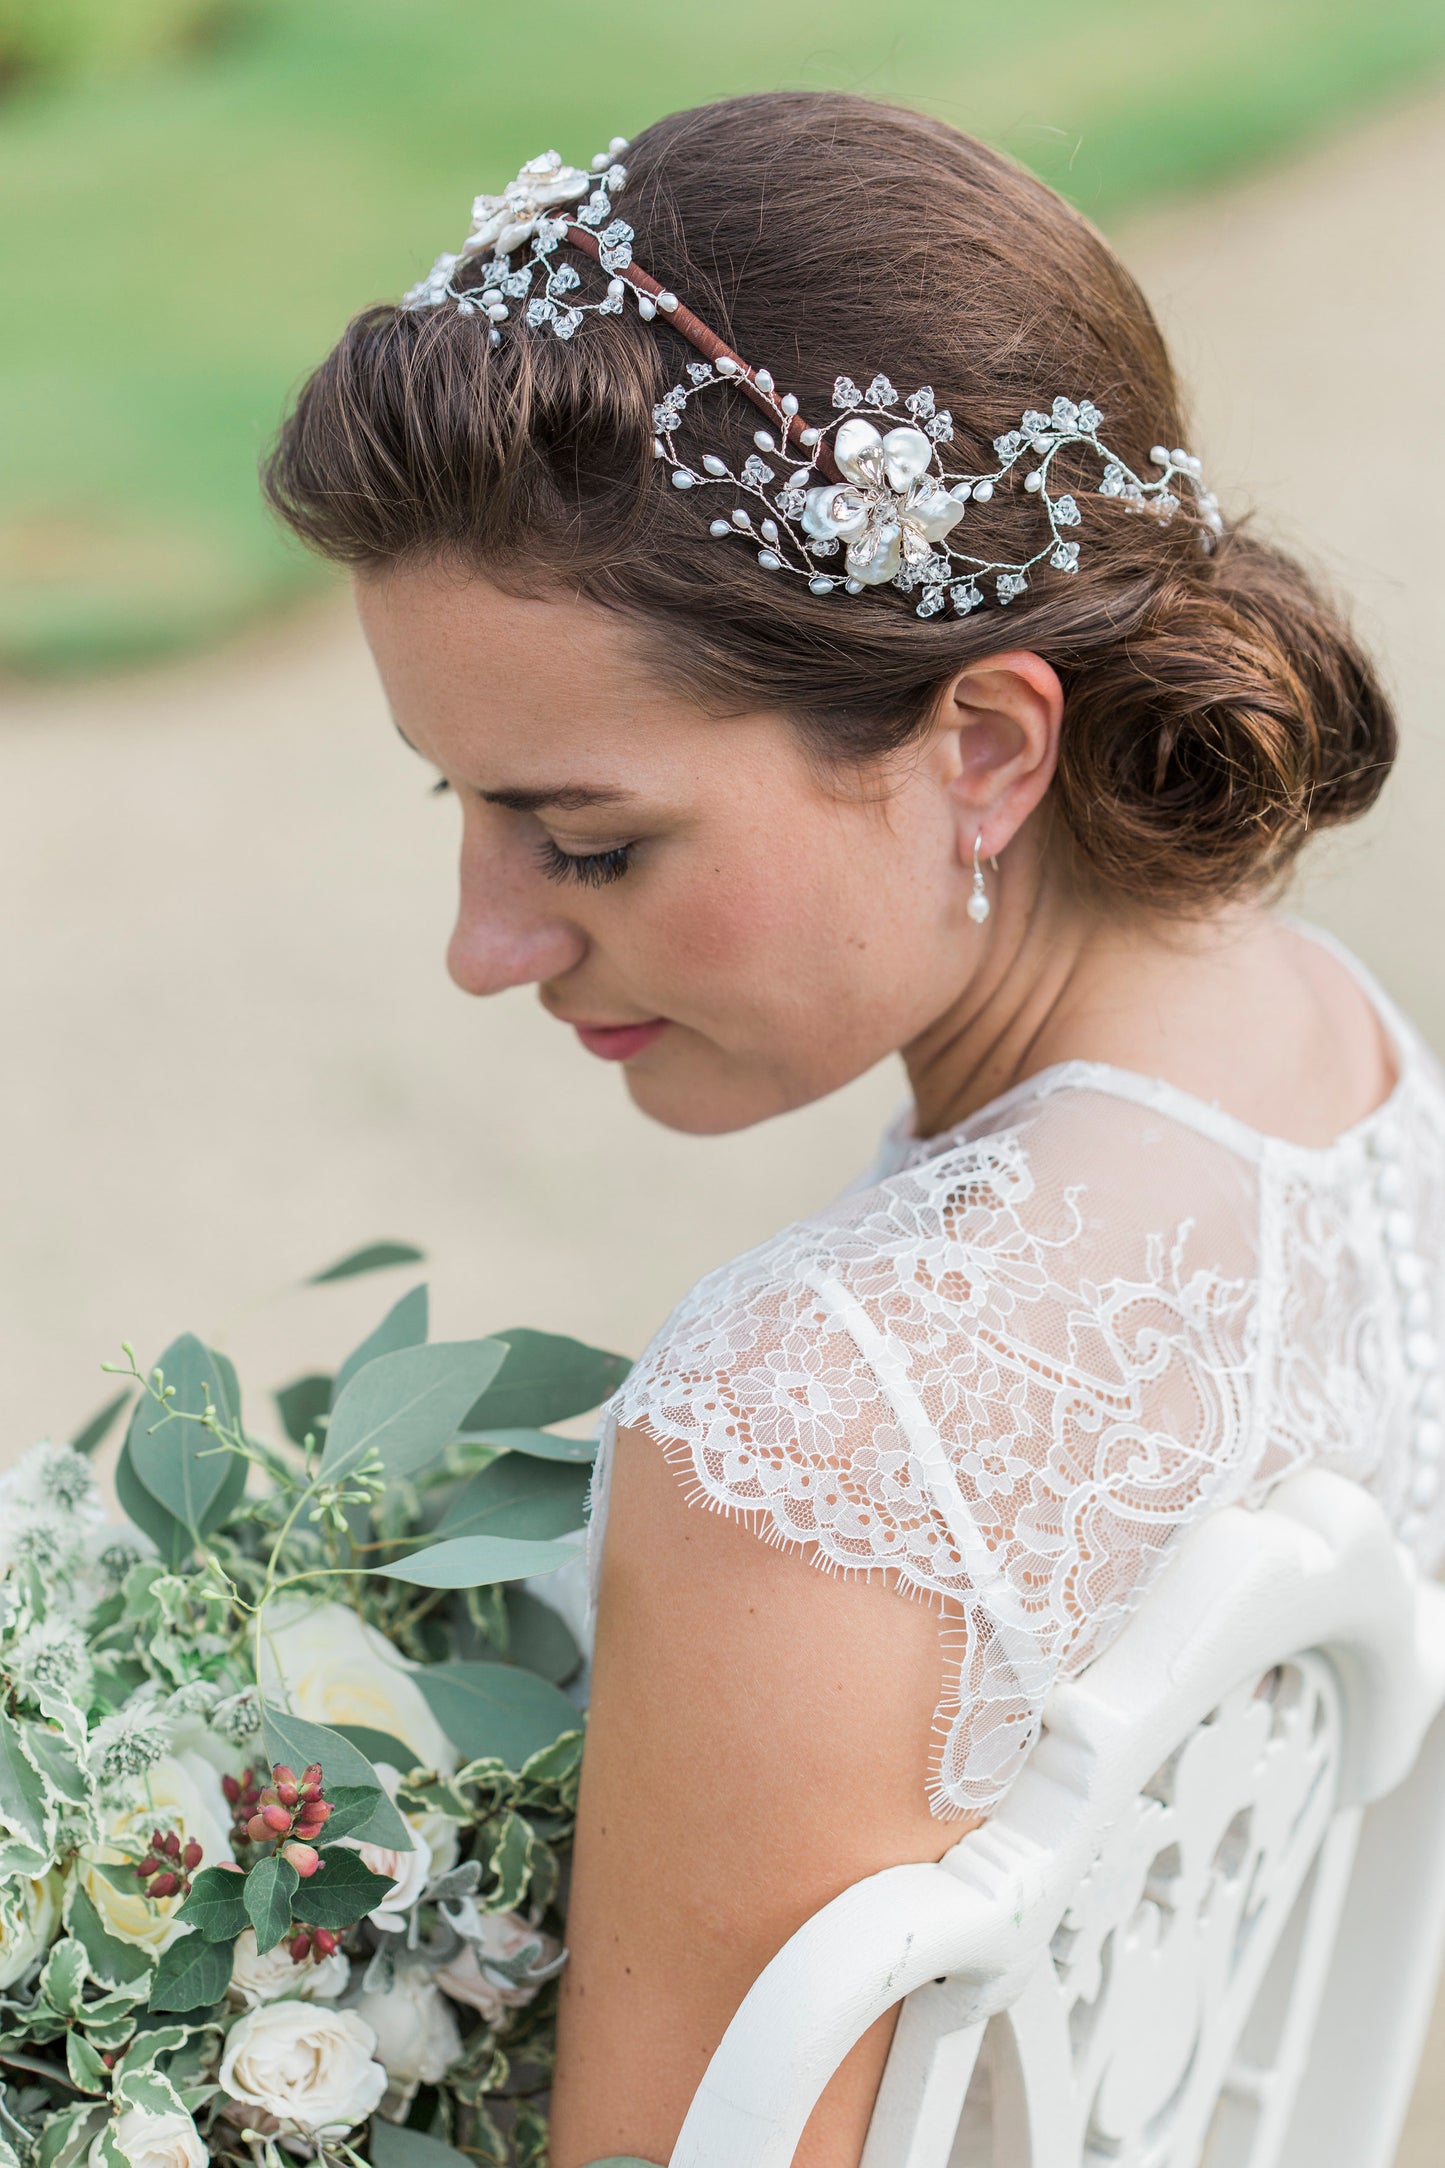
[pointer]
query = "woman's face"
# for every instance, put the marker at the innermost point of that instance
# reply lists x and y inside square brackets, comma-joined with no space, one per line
[688,893]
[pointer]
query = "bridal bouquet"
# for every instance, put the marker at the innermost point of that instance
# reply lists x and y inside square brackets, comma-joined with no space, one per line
[287,1767]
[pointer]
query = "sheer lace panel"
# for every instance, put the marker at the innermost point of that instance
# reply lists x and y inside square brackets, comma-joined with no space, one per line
[1010,1371]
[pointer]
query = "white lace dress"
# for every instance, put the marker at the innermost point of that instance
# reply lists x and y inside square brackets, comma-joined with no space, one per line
[1017,1360]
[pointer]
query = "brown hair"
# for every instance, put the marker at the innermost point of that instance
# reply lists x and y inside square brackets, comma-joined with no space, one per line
[1216,706]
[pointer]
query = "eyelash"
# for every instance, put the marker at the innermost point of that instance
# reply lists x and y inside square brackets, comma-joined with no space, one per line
[595,869]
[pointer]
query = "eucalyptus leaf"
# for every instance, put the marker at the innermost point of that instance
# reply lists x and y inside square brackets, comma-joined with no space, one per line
[545,1378]
[372,1257]
[392,2145]
[467,1560]
[176,1457]
[538,1444]
[517,1496]
[404,1325]
[171,1539]
[93,1433]
[539,1638]
[378,1746]
[495,1710]
[406,1407]
[267,1891]
[342,1890]
[192,1974]
[352,1805]
[293,1740]
[302,1405]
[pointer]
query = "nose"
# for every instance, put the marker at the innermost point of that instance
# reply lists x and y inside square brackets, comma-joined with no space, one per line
[508,931]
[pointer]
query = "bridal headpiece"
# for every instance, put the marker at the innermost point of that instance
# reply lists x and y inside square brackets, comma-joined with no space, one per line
[864,499]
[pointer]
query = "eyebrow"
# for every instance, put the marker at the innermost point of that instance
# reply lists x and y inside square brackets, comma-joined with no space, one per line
[559,797]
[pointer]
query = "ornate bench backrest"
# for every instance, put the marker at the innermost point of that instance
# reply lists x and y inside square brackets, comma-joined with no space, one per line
[1130,1965]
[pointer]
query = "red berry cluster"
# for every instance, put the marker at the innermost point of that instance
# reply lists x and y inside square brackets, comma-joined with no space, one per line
[317,1942]
[289,1812]
[168,1864]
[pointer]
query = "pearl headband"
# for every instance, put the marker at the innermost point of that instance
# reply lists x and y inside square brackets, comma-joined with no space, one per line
[880,496]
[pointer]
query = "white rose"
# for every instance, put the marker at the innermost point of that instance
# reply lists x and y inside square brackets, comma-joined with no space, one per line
[408,1873]
[469,1978]
[335,1669]
[264,1977]
[181,1792]
[439,1830]
[309,2066]
[153,2141]
[29,1916]
[416,2033]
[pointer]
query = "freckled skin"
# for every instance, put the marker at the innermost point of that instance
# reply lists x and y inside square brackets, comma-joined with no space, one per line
[794,927]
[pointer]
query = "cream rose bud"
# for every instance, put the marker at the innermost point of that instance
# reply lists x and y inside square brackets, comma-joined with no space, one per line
[416,2033]
[258,1977]
[29,1916]
[502,1935]
[153,2141]
[335,1669]
[306,2065]
[182,1792]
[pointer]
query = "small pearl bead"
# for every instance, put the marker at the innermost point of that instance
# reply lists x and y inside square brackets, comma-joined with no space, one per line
[978,909]
[1428,1439]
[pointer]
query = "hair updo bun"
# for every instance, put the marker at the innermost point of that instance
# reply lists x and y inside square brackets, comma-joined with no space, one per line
[1216,706]
[1238,714]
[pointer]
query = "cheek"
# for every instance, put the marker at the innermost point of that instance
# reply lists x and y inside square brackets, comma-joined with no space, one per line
[842,914]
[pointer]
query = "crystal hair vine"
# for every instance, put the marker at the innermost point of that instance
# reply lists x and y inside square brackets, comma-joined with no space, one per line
[882,497]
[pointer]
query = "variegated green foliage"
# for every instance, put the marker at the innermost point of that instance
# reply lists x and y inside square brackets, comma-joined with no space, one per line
[415,1491]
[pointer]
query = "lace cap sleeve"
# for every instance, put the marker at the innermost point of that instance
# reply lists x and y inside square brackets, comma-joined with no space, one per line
[941,1379]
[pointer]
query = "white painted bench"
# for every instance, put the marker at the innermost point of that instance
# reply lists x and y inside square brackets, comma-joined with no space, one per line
[1203,1930]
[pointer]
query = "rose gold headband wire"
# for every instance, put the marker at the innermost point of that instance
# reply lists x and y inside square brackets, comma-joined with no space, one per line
[711,347]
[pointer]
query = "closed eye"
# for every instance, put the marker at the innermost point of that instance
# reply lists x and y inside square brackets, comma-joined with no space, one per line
[594,868]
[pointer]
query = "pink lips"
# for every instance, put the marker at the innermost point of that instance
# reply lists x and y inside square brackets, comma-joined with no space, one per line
[619,1042]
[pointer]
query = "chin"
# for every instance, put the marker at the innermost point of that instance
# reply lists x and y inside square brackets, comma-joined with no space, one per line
[709,1105]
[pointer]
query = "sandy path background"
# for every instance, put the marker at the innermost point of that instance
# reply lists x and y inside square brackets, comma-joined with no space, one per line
[229,1051]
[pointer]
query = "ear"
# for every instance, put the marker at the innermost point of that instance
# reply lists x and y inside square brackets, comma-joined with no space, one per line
[995,741]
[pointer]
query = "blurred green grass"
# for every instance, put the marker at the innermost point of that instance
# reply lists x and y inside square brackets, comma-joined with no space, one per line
[178,242]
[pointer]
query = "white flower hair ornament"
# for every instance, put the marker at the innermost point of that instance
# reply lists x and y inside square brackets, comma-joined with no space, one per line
[874,493]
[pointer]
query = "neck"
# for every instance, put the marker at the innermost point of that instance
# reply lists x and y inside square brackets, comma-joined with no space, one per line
[1058,979]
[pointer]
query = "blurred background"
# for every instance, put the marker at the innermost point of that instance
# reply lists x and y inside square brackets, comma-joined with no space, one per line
[228,1051]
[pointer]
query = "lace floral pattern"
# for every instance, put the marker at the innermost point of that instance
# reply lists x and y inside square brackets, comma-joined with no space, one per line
[1011,1370]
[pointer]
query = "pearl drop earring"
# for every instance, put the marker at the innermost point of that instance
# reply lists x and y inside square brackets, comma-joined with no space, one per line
[978,903]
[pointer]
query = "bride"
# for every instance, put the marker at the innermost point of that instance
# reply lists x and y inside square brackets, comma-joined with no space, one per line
[779,539]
